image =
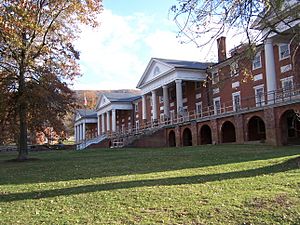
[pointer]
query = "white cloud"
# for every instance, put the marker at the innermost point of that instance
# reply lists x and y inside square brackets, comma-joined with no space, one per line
[115,55]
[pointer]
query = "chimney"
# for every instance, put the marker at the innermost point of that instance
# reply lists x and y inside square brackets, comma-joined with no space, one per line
[221,48]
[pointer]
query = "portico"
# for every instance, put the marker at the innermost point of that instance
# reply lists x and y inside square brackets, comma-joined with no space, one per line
[161,75]
[85,126]
[108,107]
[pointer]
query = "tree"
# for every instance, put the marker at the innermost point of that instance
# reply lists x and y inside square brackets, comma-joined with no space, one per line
[203,21]
[38,60]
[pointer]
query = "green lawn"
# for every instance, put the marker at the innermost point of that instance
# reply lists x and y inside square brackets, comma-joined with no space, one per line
[223,184]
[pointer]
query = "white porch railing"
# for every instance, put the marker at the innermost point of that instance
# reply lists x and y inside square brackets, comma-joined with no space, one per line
[86,143]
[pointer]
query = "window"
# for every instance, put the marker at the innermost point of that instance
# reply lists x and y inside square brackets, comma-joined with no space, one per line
[199,109]
[217,106]
[197,85]
[136,107]
[162,117]
[259,95]
[236,100]
[284,51]
[137,125]
[160,99]
[256,63]
[215,77]
[234,69]
[172,115]
[287,86]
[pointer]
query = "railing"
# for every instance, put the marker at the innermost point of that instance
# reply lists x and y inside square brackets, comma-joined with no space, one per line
[85,143]
[257,102]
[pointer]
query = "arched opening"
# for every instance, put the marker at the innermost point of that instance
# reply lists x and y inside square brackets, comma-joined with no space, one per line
[290,128]
[228,132]
[205,135]
[172,139]
[256,129]
[187,137]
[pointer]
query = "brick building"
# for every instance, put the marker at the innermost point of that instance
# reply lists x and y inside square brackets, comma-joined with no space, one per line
[239,99]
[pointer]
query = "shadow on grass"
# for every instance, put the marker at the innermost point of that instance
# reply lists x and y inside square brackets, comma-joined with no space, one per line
[66,165]
[198,179]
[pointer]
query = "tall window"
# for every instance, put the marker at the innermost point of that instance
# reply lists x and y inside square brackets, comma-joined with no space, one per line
[236,100]
[136,107]
[256,63]
[199,109]
[259,95]
[215,77]
[284,51]
[172,115]
[287,86]
[217,105]
[137,125]
[234,69]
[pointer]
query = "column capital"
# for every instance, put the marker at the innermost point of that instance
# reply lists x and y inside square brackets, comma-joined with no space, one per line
[153,92]
[268,41]
[165,87]
[178,81]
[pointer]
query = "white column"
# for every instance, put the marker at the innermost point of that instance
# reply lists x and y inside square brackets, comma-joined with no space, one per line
[270,70]
[179,96]
[83,131]
[166,101]
[98,125]
[113,120]
[107,121]
[144,107]
[154,104]
[80,132]
[103,123]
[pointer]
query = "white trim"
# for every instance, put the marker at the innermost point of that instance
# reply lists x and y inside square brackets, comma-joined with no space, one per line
[215,109]
[280,51]
[235,107]
[260,64]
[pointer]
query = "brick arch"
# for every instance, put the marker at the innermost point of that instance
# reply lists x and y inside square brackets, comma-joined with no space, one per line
[205,134]
[289,127]
[256,128]
[187,139]
[228,133]
[171,138]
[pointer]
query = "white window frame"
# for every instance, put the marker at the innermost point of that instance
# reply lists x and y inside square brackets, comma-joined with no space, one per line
[235,107]
[136,107]
[199,109]
[259,101]
[216,110]
[280,51]
[254,61]
[215,77]
[283,81]
[172,115]
[234,69]
[137,125]
[160,99]
[162,117]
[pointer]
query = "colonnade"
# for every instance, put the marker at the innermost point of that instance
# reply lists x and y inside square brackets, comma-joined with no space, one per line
[166,106]
[108,122]
[79,131]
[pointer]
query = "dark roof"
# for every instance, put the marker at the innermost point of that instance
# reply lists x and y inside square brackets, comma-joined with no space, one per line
[87,113]
[185,64]
[122,97]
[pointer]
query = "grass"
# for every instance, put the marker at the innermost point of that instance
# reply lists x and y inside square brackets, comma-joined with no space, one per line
[223,184]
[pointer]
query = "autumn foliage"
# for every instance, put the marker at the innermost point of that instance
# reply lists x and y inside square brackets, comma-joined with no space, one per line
[38,61]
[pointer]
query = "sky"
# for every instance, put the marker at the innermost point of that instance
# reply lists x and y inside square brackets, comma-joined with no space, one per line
[116,54]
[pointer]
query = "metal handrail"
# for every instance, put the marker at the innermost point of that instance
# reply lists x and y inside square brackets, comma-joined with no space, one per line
[278,96]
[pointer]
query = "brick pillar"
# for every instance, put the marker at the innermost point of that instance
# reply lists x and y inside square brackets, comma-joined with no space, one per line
[239,129]
[194,133]
[270,124]
[214,131]
[178,136]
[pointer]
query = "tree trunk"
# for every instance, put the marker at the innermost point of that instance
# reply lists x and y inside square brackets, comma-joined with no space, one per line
[23,147]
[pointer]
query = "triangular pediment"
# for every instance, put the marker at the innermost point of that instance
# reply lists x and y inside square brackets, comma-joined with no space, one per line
[155,69]
[103,101]
[77,116]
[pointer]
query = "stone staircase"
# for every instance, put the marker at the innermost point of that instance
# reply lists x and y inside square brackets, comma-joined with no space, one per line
[87,143]
[126,140]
